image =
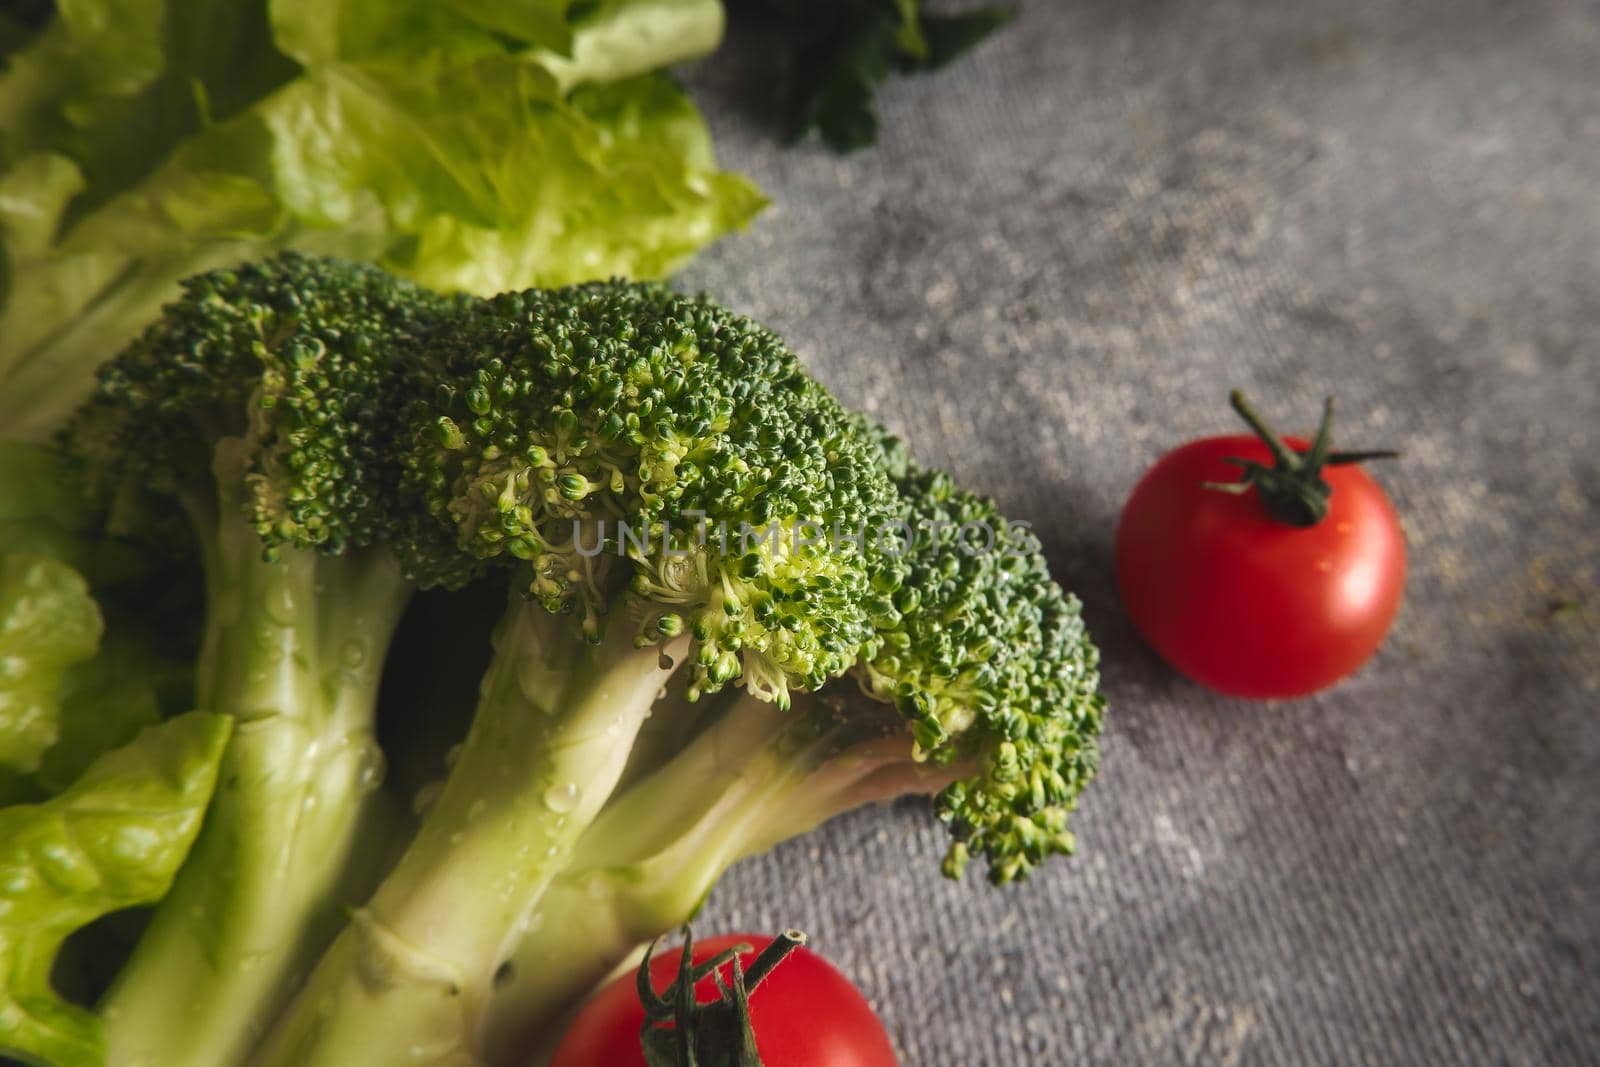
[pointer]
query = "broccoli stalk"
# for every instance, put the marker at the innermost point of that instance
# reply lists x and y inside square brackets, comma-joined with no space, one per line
[538,426]
[552,729]
[755,777]
[293,652]
[549,740]
[256,402]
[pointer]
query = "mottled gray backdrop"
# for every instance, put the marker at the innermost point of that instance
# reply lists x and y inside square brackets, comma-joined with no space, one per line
[1062,255]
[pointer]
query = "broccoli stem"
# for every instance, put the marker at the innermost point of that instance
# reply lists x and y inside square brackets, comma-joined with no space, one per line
[409,979]
[586,934]
[293,652]
[755,777]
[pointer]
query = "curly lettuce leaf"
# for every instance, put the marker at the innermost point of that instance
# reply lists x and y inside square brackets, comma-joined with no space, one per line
[615,180]
[478,174]
[105,703]
[580,42]
[318,32]
[133,552]
[51,532]
[42,510]
[91,52]
[115,85]
[112,840]
[48,623]
[617,39]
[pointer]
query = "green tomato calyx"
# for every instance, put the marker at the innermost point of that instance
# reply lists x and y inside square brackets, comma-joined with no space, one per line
[679,1031]
[1292,489]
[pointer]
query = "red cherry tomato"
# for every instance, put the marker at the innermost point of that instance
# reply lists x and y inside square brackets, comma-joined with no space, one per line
[1242,602]
[805,1014]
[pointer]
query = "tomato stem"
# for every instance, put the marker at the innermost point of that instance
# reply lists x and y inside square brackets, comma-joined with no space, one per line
[679,1031]
[1292,489]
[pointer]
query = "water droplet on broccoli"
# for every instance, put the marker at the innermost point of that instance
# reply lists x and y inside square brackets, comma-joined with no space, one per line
[562,798]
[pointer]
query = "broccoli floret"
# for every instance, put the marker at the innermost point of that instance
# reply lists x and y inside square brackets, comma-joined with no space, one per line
[656,479]
[990,664]
[980,689]
[261,401]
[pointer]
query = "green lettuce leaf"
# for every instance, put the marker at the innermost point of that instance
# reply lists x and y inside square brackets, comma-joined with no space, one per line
[115,85]
[612,40]
[578,41]
[48,622]
[134,553]
[477,175]
[112,840]
[104,704]
[74,706]
[319,32]
[453,154]
[89,53]
[42,511]
[616,180]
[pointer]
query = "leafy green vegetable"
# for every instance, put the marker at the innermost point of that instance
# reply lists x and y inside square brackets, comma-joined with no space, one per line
[837,53]
[46,510]
[112,840]
[88,705]
[579,41]
[535,189]
[48,622]
[106,702]
[41,510]
[114,85]
[439,139]
[315,33]
[617,39]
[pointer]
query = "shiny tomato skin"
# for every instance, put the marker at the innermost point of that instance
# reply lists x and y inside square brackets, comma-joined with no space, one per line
[806,1014]
[1247,605]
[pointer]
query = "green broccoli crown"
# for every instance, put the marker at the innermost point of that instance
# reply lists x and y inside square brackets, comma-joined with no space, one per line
[293,357]
[561,431]
[988,660]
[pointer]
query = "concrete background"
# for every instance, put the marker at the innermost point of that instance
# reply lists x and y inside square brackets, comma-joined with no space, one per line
[1062,255]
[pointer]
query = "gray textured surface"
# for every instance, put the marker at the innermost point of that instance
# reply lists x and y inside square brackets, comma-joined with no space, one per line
[1063,254]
